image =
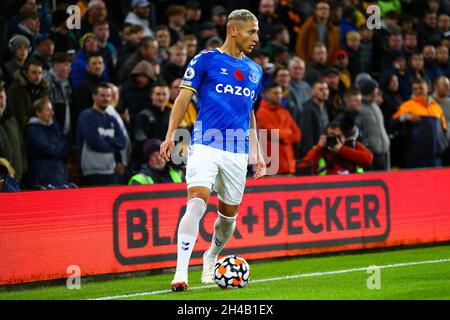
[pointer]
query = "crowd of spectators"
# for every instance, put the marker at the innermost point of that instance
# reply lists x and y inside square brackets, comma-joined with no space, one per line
[90,105]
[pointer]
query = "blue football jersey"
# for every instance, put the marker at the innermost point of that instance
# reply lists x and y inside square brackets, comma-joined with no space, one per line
[226,87]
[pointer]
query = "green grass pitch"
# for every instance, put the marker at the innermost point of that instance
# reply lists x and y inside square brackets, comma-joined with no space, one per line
[421,273]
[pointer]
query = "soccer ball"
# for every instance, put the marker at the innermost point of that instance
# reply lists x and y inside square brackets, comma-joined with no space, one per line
[231,272]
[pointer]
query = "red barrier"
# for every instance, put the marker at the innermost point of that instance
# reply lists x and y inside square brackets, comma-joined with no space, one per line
[122,229]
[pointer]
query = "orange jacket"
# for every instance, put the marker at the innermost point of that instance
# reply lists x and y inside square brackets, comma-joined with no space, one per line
[276,117]
[426,137]
[417,106]
[308,37]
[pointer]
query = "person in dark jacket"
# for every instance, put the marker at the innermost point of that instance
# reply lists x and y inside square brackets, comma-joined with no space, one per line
[64,38]
[98,11]
[313,118]
[391,102]
[427,30]
[380,39]
[29,26]
[352,47]
[336,89]
[131,36]
[136,92]
[148,51]
[352,107]
[47,148]
[85,89]
[45,48]
[89,47]
[174,67]
[12,146]
[19,46]
[7,9]
[153,121]
[317,65]
[28,86]
[61,92]
[415,71]
[105,47]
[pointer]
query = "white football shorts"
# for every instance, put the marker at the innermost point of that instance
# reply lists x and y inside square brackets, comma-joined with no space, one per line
[222,171]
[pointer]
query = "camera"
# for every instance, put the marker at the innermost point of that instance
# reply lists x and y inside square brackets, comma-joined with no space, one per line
[332,140]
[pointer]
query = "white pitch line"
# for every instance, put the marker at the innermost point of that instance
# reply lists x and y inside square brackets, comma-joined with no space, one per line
[304,275]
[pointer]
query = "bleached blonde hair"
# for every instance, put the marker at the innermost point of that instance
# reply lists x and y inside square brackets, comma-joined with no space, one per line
[241,15]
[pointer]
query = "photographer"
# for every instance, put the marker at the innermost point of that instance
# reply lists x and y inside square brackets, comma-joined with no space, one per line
[338,151]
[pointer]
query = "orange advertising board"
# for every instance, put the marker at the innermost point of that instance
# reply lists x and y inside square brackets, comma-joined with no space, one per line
[129,228]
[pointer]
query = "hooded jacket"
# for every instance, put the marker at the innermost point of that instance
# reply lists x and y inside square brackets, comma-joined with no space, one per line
[135,99]
[129,64]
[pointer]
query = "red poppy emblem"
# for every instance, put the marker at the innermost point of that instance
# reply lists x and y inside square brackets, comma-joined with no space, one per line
[238,74]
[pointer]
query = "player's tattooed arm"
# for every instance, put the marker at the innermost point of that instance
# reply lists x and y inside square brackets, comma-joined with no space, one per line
[176,115]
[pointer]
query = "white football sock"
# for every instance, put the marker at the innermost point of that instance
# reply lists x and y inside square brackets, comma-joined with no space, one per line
[223,229]
[188,232]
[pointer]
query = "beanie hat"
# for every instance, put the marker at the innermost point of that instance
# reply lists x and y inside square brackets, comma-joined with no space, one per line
[368,86]
[150,146]
[360,78]
[17,41]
